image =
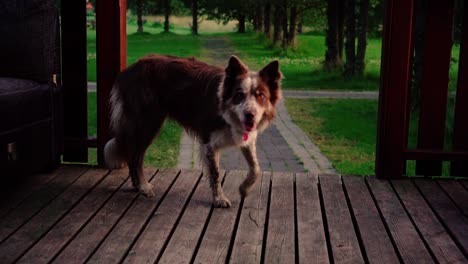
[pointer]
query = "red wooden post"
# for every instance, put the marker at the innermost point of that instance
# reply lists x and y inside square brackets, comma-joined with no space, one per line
[111,57]
[74,80]
[434,88]
[393,99]
[460,131]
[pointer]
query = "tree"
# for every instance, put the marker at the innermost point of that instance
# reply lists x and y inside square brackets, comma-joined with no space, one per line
[194,9]
[167,12]
[350,43]
[333,59]
[139,12]
[267,19]
[362,38]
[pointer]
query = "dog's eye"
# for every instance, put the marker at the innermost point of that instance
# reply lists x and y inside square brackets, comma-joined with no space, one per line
[238,97]
[260,97]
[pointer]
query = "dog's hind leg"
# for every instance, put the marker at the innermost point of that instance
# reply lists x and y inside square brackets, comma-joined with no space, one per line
[211,161]
[250,155]
[138,138]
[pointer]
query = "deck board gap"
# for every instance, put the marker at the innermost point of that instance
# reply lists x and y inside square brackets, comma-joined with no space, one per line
[32,190]
[464,184]
[202,234]
[67,212]
[205,227]
[442,222]
[421,236]
[325,222]
[267,217]
[179,217]
[87,221]
[64,214]
[42,207]
[382,218]
[116,222]
[452,199]
[296,228]
[234,230]
[355,224]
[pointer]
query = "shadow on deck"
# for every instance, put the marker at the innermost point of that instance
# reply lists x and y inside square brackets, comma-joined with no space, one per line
[79,214]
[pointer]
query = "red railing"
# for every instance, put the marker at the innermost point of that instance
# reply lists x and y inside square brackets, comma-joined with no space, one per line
[393,124]
[394,112]
[111,53]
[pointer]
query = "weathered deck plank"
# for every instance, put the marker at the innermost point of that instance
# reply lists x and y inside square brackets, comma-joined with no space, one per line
[12,195]
[183,243]
[34,203]
[457,192]
[377,244]
[89,238]
[87,215]
[280,244]
[447,212]
[442,246]
[343,238]
[249,238]
[216,240]
[310,231]
[151,242]
[405,235]
[63,231]
[37,226]
[118,242]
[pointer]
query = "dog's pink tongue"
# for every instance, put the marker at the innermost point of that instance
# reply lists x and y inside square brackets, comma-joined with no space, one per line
[246,136]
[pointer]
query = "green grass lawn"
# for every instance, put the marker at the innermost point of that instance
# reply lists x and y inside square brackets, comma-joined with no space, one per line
[139,45]
[302,68]
[345,131]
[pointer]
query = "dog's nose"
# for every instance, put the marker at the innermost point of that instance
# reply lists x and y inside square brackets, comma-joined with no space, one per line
[249,117]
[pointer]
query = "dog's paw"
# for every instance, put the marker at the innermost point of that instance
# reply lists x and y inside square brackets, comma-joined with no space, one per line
[222,202]
[146,190]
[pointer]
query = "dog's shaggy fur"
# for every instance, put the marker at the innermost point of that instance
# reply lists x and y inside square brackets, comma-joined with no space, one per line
[221,108]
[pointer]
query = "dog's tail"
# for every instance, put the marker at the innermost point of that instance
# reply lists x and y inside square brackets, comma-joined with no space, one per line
[111,155]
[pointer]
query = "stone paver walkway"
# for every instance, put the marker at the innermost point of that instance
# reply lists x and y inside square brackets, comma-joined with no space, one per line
[281,147]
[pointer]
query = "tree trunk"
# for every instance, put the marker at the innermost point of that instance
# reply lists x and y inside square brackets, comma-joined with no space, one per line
[332,56]
[341,18]
[294,17]
[277,29]
[194,17]
[284,24]
[350,43]
[258,18]
[241,20]
[267,19]
[139,11]
[167,13]
[362,38]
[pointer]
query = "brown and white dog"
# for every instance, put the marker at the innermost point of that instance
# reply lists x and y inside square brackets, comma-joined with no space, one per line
[220,107]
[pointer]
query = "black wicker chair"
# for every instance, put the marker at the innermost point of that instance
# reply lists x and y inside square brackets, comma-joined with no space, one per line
[30,100]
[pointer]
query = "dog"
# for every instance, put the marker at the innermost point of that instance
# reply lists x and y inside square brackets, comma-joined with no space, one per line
[219,107]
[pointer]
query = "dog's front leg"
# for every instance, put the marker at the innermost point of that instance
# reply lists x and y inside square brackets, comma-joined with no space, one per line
[250,155]
[211,162]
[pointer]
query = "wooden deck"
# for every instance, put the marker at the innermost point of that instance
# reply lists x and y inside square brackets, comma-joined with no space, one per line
[81,214]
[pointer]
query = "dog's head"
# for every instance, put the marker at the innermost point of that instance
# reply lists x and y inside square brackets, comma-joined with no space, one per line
[248,98]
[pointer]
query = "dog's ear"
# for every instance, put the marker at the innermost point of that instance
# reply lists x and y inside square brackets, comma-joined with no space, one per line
[271,72]
[272,75]
[235,67]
